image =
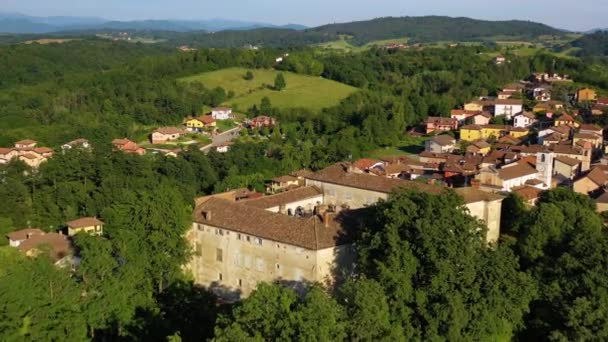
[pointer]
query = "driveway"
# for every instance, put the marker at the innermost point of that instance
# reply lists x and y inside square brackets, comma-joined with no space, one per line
[223,137]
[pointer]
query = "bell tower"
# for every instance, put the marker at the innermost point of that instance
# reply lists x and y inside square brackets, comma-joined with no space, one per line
[544,166]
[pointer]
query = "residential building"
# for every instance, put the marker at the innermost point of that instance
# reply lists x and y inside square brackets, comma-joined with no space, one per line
[165,134]
[237,245]
[27,152]
[88,225]
[566,120]
[480,106]
[26,144]
[524,120]
[283,183]
[586,94]
[566,167]
[518,174]
[261,121]
[342,187]
[80,143]
[597,141]
[127,146]
[480,147]
[593,182]
[529,194]
[505,95]
[434,124]
[221,113]
[440,144]
[16,238]
[57,246]
[508,108]
[199,124]
[478,132]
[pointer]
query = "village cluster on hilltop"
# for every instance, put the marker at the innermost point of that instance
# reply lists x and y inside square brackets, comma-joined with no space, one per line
[301,229]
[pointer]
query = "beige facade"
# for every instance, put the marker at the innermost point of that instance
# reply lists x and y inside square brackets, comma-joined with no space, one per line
[233,263]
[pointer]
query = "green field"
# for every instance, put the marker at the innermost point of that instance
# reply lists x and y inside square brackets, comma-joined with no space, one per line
[344,45]
[302,91]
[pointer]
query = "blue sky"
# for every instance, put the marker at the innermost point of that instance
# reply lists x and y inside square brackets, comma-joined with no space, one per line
[568,14]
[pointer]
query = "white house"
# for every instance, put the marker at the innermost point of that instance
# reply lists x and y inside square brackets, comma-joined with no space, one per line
[518,174]
[508,107]
[221,113]
[16,238]
[524,120]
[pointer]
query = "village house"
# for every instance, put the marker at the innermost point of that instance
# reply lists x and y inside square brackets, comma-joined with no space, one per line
[529,194]
[164,134]
[479,132]
[223,147]
[221,113]
[199,124]
[524,119]
[586,95]
[480,147]
[517,174]
[541,93]
[434,123]
[566,120]
[591,129]
[88,225]
[505,95]
[567,168]
[591,183]
[27,152]
[16,238]
[284,183]
[473,117]
[514,88]
[597,141]
[26,144]
[127,146]
[80,143]
[508,108]
[440,144]
[554,134]
[261,121]
[582,152]
[480,106]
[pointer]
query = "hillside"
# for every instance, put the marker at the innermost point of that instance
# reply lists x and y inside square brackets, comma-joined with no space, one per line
[435,28]
[595,44]
[302,91]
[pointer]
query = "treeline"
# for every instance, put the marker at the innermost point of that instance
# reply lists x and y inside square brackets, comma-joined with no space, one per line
[589,45]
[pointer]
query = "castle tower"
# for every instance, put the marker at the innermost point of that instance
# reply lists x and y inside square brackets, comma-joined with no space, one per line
[544,166]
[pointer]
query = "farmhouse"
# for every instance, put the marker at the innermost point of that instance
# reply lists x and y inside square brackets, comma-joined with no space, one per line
[165,134]
[221,113]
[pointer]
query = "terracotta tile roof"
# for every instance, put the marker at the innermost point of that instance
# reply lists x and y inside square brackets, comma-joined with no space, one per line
[529,115]
[285,197]
[29,156]
[24,234]
[339,174]
[120,142]
[603,198]
[365,163]
[441,121]
[427,154]
[534,182]
[566,149]
[444,140]
[567,160]
[306,232]
[42,150]
[169,130]
[565,117]
[597,176]
[472,195]
[484,114]
[528,193]
[26,142]
[59,245]
[590,127]
[521,169]
[587,136]
[206,119]
[564,130]
[392,169]
[84,222]
[301,173]
[509,102]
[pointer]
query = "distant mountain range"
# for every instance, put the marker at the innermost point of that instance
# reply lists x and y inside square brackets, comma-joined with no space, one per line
[18,23]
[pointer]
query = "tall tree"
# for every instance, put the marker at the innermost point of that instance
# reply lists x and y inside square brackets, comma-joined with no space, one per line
[279,82]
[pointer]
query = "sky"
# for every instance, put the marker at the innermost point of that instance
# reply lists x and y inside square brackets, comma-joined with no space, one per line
[579,15]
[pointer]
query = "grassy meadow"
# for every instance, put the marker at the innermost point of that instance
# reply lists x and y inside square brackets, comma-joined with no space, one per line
[314,93]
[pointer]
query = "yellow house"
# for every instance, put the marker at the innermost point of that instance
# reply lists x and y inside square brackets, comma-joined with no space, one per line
[586,94]
[474,106]
[519,132]
[479,132]
[89,225]
[566,120]
[198,124]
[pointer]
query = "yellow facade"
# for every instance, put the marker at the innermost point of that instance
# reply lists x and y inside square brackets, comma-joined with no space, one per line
[519,134]
[473,106]
[194,123]
[470,134]
[586,94]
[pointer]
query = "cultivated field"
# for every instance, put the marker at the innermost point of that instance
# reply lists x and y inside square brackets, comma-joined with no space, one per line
[302,91]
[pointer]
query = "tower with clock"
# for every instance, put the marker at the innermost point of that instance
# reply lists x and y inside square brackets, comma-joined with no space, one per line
[544,166]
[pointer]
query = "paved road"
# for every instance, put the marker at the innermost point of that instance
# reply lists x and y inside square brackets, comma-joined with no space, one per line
[223,137]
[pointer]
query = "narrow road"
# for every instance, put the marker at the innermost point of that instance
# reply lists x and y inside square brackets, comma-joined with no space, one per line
[223,137]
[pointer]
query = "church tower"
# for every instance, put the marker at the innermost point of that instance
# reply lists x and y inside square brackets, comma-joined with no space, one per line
[544,166]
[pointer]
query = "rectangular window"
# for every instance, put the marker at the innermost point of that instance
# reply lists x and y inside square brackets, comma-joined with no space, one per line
[259,241]
[248,238]
[240,282]
[219,277]
[219,255]
[259,264]
[219,232]
[238,236]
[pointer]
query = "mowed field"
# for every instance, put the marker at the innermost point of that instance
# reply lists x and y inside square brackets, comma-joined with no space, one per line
[302,91]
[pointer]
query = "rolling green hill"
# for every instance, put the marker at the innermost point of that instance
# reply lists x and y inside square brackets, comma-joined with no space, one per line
[595,44]
[302,91]
[434,28]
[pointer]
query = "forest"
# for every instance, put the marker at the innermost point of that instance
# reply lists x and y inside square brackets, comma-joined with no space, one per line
[415,280]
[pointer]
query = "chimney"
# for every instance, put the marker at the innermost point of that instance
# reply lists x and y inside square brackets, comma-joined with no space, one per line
[326,219]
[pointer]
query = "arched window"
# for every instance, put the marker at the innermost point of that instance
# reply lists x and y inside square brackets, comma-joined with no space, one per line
[542,158]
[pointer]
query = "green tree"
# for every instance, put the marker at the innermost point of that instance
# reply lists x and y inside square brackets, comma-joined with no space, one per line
[248,75]
[279,82]
[438,273]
